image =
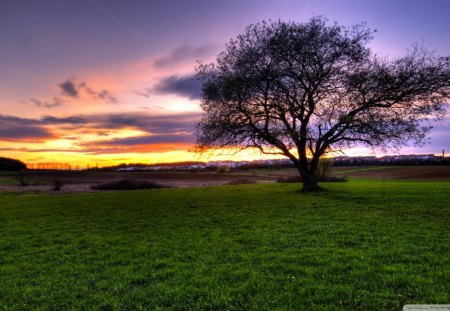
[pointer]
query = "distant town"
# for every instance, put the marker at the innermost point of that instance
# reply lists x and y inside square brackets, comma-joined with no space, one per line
[411,159]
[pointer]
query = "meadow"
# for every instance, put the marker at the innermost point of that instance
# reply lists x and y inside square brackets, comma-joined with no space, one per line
[358,245]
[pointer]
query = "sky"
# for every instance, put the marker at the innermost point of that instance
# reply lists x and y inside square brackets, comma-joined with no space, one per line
[110,81]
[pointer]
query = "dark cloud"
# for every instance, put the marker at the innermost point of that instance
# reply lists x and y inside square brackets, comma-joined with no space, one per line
[28,132]
[104,95]
[56,102]
[69,88]
[186,53]
[68,120]
[12,121]
[147,122]
[185,86]
[73,89]
[13,128]
[134,149]
[150,123]
[107,96]
[159,126]
[76,89]
[40,150]
[149,140]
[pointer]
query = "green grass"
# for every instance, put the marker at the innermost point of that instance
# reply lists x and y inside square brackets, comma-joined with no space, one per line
[8,181]
[12,178]
[8,178]
[367,245]
[345,170]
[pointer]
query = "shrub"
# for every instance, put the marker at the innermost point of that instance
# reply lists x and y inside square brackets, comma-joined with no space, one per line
[223,169]
[57,185]
[127,184]
[324,169]
[23,179]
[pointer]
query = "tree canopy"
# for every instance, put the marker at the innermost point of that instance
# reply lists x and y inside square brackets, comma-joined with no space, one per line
[304,89]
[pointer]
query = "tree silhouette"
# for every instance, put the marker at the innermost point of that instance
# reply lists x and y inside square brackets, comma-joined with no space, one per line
[8,164]
[304,89]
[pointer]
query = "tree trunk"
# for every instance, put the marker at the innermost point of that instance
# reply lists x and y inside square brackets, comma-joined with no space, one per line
[309,176]
[310,183]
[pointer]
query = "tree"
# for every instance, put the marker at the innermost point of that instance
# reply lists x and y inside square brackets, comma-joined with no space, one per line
[304,89]
[8,164]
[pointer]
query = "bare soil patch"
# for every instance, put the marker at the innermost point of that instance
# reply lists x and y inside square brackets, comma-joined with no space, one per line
[81,181]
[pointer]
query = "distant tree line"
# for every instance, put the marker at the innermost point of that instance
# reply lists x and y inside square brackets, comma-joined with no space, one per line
[8,164]
[146,165]
[197,166]
[52,166]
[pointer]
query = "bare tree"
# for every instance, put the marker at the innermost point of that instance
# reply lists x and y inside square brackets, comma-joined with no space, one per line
[302,90]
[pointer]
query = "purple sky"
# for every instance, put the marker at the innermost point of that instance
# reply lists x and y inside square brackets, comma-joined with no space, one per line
[100,59]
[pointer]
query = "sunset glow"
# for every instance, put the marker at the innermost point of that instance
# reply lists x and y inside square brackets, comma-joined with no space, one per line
[101,82]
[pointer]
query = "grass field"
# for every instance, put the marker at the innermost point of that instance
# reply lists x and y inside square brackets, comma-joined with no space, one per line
[367,245]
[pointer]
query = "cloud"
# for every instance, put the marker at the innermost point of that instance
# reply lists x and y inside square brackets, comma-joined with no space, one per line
[140,144]
[150,148]
[24,133]
[185,86]
[147,92]
[14,128]
[107,96]
[168,129]
[104,95]
[149,140]
[40,150]
[150,123]
[76,120]
[185,53]
[56,102]
[69,88]
[74,89]
[11,121]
